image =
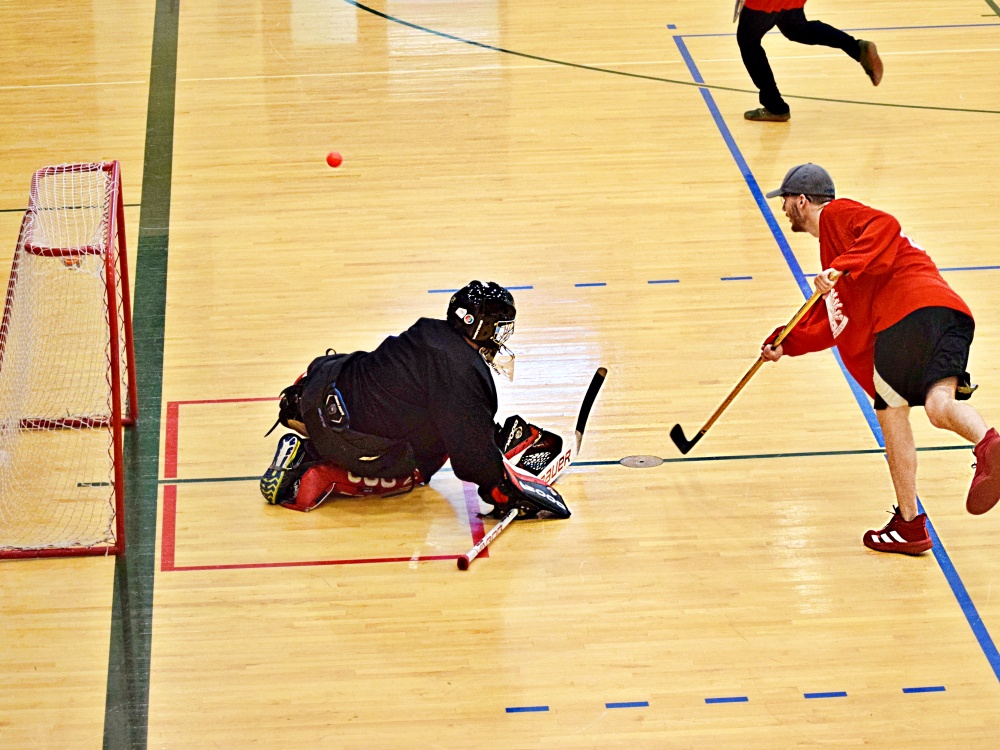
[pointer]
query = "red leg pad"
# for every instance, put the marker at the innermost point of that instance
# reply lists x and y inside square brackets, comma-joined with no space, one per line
[327,479]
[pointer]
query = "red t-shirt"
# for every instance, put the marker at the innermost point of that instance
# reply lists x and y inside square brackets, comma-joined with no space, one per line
[773,6]
[889,277]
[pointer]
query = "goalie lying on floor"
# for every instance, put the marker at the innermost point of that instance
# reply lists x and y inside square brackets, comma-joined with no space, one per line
[379,423]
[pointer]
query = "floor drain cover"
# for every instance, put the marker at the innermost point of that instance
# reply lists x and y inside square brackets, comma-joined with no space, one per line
[641,462]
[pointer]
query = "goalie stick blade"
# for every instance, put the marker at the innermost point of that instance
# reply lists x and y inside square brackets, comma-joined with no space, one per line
[588,402]
[683,444]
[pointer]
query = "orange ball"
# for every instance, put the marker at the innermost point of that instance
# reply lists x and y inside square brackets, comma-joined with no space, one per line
[334,159]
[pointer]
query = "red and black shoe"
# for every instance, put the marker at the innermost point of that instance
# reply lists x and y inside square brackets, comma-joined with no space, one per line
[985,490]
[904,537]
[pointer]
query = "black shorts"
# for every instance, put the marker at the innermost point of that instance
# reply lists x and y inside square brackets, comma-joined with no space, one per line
[928,345]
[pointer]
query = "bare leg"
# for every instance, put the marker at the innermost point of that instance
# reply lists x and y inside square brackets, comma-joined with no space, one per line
[901,453]
[948,414]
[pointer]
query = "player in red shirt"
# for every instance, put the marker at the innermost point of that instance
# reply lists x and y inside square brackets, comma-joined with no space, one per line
[903,333]
[760,16]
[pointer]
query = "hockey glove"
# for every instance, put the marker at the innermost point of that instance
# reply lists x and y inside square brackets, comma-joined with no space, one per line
[515,436]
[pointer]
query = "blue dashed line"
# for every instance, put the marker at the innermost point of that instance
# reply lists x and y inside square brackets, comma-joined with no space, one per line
[593,283]
[441,291]
[736,278]
[725,699]
[834,694]
[664,281]
[516,288]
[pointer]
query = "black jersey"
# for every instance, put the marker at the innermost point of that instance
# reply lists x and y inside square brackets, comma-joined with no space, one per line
[429,387]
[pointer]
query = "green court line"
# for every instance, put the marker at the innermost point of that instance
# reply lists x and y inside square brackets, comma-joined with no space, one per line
[692,459]
[126,713]
[994,6]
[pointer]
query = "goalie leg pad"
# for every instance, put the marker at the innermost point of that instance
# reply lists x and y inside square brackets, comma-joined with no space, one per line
[325,480]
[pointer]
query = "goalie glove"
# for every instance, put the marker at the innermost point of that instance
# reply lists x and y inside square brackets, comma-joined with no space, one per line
[515,436]
[526,493]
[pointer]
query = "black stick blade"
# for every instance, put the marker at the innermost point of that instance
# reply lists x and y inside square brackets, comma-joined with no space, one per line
[683,444]
[588,400]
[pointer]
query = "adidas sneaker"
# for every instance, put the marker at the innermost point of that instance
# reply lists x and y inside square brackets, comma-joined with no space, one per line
[905,537]
[985,490]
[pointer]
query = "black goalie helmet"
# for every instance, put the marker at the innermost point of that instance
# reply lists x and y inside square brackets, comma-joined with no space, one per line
[484,313]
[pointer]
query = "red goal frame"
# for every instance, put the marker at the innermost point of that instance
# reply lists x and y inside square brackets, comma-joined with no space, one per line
[124,406]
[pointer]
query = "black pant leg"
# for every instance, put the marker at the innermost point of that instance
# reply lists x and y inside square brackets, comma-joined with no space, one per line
[793,24]
[751,29]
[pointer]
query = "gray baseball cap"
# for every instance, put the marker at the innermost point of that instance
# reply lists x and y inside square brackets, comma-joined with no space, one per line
[806,179]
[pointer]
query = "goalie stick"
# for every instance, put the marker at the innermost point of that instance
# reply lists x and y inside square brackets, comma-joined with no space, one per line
[551,472]
[554,470]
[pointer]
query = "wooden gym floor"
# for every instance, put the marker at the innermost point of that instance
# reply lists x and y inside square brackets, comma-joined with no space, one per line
[592,157]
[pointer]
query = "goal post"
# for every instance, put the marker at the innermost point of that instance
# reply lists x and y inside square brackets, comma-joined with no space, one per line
[67,368]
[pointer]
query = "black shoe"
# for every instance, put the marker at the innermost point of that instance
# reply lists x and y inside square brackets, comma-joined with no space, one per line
[762,114]
[290,452]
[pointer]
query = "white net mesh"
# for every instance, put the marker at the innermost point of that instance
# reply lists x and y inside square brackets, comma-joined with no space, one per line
[57,422]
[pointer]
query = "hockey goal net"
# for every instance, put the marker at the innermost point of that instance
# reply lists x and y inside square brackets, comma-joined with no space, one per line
[67,367]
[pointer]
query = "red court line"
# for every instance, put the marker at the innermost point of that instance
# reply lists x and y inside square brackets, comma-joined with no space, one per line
[168,540]
[170,449]
[307,563]
[168,543]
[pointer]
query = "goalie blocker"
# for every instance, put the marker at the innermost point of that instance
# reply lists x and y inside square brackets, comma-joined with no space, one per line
[528,494]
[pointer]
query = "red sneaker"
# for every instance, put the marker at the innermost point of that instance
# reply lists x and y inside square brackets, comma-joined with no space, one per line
[985,490]
[906,537]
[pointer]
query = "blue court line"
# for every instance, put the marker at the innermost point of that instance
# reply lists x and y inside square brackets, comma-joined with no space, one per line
[870,28]
[593,283]
[940,554]
[664,281]
[736,278]
[931,689]
[971,268]
[833,694]
[526,709]
[631,704]
[786,250]
[733,699]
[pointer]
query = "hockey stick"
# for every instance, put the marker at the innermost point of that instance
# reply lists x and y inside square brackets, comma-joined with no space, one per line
[677,433]
[472,554]
[556,468]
